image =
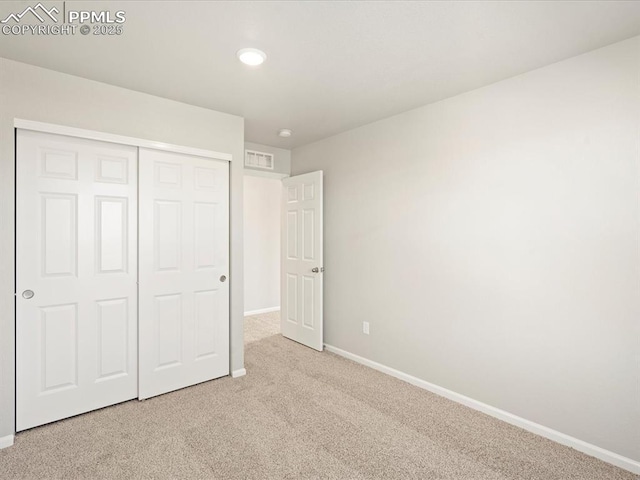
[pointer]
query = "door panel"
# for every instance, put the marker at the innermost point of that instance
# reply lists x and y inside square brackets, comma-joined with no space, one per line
[301,288]
[113,324]
[184,253]
[76,229]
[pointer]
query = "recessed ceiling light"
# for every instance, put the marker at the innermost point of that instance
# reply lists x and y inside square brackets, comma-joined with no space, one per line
[251,56]
[284,132]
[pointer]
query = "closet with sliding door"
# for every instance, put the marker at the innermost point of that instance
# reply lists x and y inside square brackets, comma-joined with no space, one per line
[122,258]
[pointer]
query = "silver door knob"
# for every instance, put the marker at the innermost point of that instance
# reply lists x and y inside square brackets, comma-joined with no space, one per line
[223,278]
[315,269]
[28,294]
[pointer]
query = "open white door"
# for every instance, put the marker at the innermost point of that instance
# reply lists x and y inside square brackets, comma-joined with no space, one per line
[184,264]
[301,273]
[76,303]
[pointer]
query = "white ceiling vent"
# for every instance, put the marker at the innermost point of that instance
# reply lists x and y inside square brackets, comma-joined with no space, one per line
[256,159]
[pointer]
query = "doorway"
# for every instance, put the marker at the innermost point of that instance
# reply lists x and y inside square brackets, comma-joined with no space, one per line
[262,197]
[283,226]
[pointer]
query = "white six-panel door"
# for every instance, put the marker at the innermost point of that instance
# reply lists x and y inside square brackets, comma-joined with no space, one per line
[302,253]
[184,262]
[76,306]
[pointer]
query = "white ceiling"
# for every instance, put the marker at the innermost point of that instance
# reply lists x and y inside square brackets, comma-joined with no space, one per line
[331,66]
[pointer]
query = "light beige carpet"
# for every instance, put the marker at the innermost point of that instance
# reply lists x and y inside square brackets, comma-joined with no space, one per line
[297,414]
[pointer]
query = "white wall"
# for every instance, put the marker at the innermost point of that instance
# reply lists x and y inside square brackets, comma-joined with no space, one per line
[491,240]
[34,93]
[261,243]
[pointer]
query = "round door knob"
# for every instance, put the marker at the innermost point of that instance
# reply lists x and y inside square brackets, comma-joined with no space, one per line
[315,269]
[28,294]
[223,278]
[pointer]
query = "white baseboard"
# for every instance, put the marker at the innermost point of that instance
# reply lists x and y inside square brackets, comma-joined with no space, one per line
[241,372]
[580,445]
[6,441]
[262,310]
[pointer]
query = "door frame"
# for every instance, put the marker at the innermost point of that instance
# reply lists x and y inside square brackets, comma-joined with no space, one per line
[112,138]
[86,134]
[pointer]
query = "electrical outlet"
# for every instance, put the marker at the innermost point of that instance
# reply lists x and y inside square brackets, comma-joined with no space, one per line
[365,328]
